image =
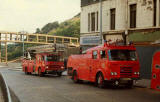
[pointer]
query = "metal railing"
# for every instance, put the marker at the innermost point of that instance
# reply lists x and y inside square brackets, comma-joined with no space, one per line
[37,38]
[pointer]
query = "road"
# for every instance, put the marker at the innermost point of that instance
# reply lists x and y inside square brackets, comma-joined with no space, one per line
[31,88]
[1,96]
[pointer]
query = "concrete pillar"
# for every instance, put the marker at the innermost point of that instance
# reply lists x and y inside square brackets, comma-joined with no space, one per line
[6,57]
[55,40]
[77,41]
[126,21]
[37,38]
[46,39]
[27,37]
[10,36]
[0,49]
[17,37]
[70,41]
[95,21]
[158,12]
[62,40]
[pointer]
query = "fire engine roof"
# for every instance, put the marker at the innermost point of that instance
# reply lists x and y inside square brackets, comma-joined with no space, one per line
[105,47]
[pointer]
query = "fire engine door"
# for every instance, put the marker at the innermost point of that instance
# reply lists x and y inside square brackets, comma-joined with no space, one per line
[93,66]
[38,62]
[30,66]
[156,72]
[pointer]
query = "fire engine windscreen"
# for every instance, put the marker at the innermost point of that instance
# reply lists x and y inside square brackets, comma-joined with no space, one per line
[122,55]
[52,58]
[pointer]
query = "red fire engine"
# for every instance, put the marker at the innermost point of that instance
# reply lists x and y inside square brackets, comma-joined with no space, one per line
[43,60]
[113,63]
[155,82]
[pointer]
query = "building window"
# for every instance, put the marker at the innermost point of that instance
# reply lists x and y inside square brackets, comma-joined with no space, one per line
[113,18]
[93,21]
[155,12]
[97,20]
[133,9]
[89,22]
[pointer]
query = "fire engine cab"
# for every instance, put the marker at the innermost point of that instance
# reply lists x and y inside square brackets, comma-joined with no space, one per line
[110,63]
[43,60]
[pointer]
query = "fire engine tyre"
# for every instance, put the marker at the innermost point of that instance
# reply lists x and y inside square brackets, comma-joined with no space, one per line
[26,71]
[100,81]
[129,84]
[41,74]
[75,77]
[59,74]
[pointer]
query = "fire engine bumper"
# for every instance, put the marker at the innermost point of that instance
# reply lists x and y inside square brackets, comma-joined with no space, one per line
[50,71]
[122,81]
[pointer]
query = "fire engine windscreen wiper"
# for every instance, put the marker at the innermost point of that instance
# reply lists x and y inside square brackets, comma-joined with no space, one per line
[122,55]
[52,58]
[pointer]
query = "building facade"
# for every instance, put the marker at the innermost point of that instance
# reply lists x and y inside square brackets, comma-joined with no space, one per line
[119,19]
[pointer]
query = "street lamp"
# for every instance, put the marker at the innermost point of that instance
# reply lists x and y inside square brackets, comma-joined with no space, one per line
[101,37]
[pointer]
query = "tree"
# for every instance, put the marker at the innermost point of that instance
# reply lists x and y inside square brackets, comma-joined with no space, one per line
[50,26]
[38,30]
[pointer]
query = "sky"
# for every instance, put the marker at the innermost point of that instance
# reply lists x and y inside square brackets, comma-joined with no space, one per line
[27,15]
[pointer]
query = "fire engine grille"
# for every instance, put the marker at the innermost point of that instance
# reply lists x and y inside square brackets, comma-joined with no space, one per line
[54,66]
[125,72]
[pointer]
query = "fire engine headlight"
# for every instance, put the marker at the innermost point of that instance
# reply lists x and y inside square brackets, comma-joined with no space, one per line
[136,73]
[47,67]
[115,73]
[62,67]
[112,73]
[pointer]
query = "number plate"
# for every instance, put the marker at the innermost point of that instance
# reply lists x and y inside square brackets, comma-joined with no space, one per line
[125,79]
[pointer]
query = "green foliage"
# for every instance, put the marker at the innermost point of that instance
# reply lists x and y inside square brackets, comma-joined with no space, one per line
[38,31]
[14,51]
[48,27]
[70,28]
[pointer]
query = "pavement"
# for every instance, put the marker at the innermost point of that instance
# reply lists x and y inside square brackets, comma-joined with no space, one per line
[144,83]
[10,65]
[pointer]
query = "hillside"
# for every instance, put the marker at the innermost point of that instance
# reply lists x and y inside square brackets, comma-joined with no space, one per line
[70,28]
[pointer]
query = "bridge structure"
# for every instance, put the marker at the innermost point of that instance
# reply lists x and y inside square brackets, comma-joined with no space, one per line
[42,39]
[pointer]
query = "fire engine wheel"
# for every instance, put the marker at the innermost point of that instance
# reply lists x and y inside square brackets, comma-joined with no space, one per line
[129,84]
[59,74]
[75,77]
[26,71]
[100,81]
[41,74]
